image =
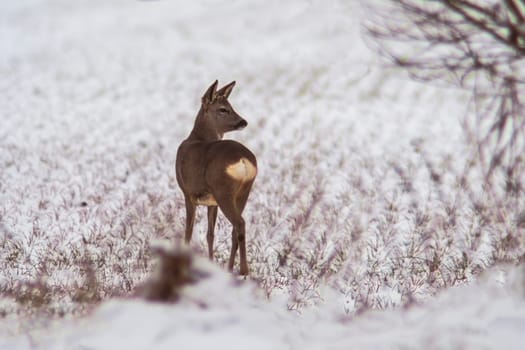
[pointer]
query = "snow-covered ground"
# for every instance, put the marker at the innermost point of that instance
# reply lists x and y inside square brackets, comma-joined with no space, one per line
[360,231]
[219,312]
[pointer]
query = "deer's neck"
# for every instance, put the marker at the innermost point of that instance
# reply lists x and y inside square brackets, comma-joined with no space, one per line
[203,130]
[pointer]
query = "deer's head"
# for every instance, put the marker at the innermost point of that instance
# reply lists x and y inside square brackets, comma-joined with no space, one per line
[217,114]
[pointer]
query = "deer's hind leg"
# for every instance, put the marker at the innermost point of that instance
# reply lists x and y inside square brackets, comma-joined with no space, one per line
[242,196]
[235,247]
[241,200]
[227,201]
[212,217]
[190,218]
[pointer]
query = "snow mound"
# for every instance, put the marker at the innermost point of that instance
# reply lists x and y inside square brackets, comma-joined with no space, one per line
[219,311]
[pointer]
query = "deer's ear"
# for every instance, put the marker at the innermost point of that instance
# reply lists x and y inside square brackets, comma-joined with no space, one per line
[209,95]
[226,90]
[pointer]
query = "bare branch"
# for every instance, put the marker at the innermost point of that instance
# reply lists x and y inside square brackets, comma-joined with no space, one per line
[476,45]
[489,24]
[513,7]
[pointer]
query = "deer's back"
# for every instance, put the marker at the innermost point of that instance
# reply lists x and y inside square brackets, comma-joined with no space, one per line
[229,151]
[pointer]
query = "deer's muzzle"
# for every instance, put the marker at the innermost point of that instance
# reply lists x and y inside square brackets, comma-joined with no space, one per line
[241,125]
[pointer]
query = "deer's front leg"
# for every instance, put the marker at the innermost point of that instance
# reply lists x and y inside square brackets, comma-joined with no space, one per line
[212,217]
[190,219]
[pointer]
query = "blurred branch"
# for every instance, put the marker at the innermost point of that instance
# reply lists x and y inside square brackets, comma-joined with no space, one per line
[478,45]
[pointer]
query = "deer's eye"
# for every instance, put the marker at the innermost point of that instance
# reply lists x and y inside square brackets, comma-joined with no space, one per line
[223,110]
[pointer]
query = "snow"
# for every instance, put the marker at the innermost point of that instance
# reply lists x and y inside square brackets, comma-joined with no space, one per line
[358,234]
[221,311]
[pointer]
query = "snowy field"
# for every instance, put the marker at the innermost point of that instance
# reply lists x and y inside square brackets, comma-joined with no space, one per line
[362,229]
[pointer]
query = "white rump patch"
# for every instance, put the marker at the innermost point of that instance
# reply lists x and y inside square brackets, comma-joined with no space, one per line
[243,170]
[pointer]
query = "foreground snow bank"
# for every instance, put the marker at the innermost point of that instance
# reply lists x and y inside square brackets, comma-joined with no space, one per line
[219,311]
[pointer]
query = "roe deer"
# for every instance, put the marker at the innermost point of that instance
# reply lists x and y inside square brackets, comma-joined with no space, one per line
[215,172]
